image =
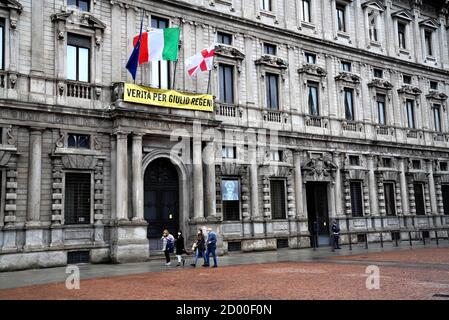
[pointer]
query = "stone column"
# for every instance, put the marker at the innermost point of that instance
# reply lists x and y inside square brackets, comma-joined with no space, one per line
[34,176]
[211,194]
[338,205]
[254,167]
[198,194]
[121,181]
[374,208]
[432,191]
[404,188]
[34,236]
[137,178]
[298,184]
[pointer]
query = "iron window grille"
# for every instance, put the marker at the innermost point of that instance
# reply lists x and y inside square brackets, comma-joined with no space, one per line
[277,190]
[77,198]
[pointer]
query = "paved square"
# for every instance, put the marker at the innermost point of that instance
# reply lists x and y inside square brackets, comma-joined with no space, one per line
[404,274]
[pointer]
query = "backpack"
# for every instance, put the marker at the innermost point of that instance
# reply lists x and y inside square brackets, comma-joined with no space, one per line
[170,246]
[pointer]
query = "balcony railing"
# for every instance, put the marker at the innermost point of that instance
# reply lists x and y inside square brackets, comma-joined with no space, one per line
[352,126]
[383,130]
[439,137]
[314,122]
[225,110]
[79,90]
[3,80]
[273,116]
[414,134]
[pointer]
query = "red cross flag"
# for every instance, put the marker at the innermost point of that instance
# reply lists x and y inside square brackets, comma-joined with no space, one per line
[202,61]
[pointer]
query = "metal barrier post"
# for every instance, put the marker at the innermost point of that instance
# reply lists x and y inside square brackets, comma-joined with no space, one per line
[366,241]
[396,239]
[381,240]
[436,237]
[410,238]
[423,238]
[350,241]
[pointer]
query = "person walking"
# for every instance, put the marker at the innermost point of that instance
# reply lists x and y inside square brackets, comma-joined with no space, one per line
[335,235]
[167,245]
[180,249]
[211,247]
[198,247]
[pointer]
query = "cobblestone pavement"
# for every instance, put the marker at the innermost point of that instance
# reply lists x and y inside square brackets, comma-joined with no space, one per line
[404,274]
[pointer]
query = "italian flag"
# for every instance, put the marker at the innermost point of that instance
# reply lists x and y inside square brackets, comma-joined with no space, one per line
[158,44]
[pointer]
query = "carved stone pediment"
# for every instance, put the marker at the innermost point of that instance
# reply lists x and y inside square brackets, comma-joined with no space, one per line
[348,77]
[229,52]
[313,70]
[436,95]
[409,89]
[430,23]
[380,84]
[403,14]
[77,161]
[272,61]
[11,5]
[374,4]
[319,168]
[77,17]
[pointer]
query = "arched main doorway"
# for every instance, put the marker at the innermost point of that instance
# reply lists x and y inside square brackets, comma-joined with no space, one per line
[161,202]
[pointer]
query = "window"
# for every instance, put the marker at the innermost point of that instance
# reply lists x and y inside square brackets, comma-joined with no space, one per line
[82,5]
[436,109]
[226,83]
[378,73]
[346,66]
[272,91]
[269,49]
[443,166]
[433,85]
[312,96]
[266,5]
[445,193]
[387,162]
[78,141]
[349,104]
[416,164]
[2,44]
[160,70]
[77,197]
[356,198]
[407,79]
[410,111]
[224,38]
[401,35]
[381,112]
[310,58]
[372,19]
[277,189]
[229,152]
[231,199]
[341,18]
[306,11]
[428,42]
[390,205]
[78,58]
[354,160]
[276,155]
[419,199]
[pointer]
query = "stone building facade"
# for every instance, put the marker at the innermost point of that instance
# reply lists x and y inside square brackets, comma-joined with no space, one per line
[325,109]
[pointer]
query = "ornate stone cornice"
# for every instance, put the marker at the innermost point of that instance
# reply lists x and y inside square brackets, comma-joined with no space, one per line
[11,4]
[430,23]
[348,77]
[83,18]
[436,95]
[313,70]
[380,84]
[409,89]
[375,4]
[272,61]
[229,52]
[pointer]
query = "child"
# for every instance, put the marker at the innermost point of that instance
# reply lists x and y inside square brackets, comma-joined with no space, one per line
[180,249]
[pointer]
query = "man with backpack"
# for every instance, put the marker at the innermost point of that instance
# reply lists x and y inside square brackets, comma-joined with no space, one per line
[168,245]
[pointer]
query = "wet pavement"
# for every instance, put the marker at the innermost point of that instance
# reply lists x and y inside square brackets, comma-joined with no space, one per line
[405,273]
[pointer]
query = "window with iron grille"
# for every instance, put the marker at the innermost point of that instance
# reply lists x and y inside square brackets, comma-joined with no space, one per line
[231,210]
[77,198]
[231,199]
[416,164]
[443,166]
[277,189]
[234,246]
[390,201]
[445,193]
[282,243]
[354,160]
[419,199]
[356,198]
[78,141]
[77,257]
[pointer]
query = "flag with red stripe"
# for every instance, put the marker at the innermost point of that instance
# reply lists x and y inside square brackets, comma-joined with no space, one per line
[202,61]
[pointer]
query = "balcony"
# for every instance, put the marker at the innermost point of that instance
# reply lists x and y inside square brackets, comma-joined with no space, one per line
[79,90]
[275,116]
[384,131]
[313,121]
[226,110]
[352,126]
[412,134]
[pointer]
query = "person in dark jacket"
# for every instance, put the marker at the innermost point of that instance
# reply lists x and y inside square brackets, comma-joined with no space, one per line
[335,235]
[211,247]
[198,247]
[180,249]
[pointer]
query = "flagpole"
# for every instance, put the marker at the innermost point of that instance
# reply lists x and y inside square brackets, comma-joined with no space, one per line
[208,82]
[174,75]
